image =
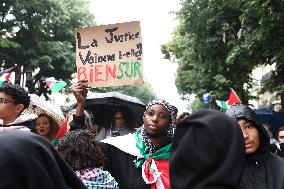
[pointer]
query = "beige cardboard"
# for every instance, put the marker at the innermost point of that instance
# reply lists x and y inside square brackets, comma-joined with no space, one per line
[110,55]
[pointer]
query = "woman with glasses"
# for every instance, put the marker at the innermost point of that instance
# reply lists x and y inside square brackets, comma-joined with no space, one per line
[120,125]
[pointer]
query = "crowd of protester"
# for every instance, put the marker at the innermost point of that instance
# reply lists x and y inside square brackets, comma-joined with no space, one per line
[207,149]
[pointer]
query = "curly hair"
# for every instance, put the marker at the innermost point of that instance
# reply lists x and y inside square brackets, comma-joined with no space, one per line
[182,116]
[81,150]
[18,94]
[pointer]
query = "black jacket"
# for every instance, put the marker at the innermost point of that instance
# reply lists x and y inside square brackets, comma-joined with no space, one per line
[121,166]
[263,170]
[207,152]
[28,161]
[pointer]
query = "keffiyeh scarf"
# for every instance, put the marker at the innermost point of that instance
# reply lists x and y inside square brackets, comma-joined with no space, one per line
[155,161]
[97,178]
[155,166]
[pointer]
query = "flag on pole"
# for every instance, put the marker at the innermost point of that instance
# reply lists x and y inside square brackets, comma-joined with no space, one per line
[222,104]
[233,98]
[55,85]
[61,133]
[7,75]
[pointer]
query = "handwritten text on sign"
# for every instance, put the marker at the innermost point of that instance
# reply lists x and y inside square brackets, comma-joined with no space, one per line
[110,55]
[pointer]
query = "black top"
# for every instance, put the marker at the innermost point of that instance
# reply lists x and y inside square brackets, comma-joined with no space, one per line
[122,168]
[207,152]
[264,171]
[29,161]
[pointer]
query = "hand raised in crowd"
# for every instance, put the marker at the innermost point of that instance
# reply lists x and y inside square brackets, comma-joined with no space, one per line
[80,91]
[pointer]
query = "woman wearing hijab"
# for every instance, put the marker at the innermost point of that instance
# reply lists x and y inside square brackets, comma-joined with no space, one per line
[141,160]
[138,160]
[207,152]
[29,161]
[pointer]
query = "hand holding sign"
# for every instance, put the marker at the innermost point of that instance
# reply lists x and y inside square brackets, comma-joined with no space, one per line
[80,91]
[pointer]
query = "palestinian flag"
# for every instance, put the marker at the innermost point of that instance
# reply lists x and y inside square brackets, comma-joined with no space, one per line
[55,85]
[233,98]
[222,104]
[61,133]
[7,75]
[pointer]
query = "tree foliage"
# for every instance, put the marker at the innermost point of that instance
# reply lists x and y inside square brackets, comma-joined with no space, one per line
[218,43]
[39,34]
[196,105]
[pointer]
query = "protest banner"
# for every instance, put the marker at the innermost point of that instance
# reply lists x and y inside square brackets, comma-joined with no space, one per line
[110,55]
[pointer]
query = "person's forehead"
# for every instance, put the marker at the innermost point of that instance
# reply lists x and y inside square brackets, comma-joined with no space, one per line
[118,114]
[43,118]
[4,95]
[158,107]
[245,121]
[281,133]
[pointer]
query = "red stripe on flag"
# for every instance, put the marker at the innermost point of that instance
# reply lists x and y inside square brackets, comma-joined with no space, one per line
[163,166]
[63,130]
[9,73]
[233,98]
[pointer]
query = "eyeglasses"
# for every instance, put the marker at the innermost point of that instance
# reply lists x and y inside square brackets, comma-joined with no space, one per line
[5,101]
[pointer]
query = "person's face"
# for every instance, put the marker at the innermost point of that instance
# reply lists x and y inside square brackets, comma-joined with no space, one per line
[251,136]
[281,136]
[9,111]
[42,126]
[156,121]
[118,120]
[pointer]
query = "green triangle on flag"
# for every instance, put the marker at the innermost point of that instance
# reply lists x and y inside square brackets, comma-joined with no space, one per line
[55,85]
[222,104]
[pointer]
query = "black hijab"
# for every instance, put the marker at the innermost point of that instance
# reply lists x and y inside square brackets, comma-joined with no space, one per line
[207,152]
[29,161]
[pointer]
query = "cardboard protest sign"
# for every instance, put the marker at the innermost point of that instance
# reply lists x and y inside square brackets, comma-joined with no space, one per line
[110,55]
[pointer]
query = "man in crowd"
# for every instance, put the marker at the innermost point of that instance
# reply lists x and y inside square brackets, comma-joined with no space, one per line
[263,170]
[280,135]
[279,149]
[13,101]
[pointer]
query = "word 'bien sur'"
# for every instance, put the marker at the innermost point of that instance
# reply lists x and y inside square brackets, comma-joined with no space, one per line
[107,72]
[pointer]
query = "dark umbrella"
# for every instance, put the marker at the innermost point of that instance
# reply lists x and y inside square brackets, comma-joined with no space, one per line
[266,115]
[103,105]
